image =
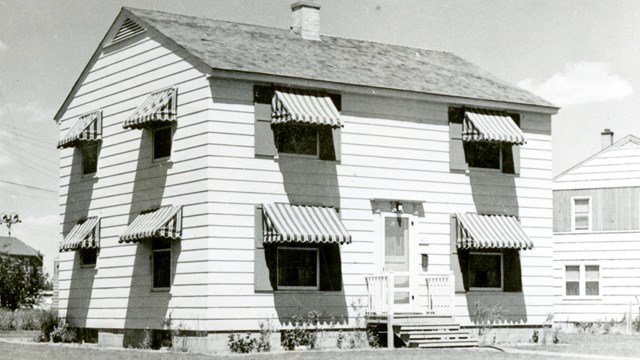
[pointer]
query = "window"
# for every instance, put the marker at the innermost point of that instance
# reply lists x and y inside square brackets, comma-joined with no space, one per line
[581,218]
[582,280]
[89,158]
[485,271]
[88,257]
[298,268]
[161,143]
[161,263]
[298,139]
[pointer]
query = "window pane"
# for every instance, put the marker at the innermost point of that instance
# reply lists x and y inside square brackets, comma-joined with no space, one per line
[573,273]
[581,205]
[298,267]
[592,272]
[396,244]
[161,268]
[297,139]
[592,288]
[161,143]
[485,271]
[401,297]
[573,288]
[582,222]
[89,158]
[88,257]
[161,243]
[482,154]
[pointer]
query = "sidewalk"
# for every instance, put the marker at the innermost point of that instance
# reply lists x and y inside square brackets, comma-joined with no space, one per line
[565,355]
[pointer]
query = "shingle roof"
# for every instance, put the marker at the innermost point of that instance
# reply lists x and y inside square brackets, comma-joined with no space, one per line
[13,246]
[257,49]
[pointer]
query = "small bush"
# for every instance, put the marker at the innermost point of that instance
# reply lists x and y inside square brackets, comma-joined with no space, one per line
[485,317]
[64,333]
[264,340]
[147,339]
[47,322]
[303,333]
[243,345]
[6,320]
[27,319]
[534,337]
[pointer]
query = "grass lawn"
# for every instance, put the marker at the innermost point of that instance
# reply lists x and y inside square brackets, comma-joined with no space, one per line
[595,344]
[33,351]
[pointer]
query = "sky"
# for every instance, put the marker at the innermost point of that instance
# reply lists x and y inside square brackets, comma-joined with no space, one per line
[582,55]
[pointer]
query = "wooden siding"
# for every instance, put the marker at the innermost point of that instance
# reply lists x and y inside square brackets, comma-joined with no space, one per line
[613,209]
[616,167]
[117,293]
[391,149]
[618,255]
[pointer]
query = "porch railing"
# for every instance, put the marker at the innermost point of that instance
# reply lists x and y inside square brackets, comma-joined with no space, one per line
[435,294]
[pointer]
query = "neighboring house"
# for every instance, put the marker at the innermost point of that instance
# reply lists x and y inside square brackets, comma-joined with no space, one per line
[596,228]
[221,174]
[17,249]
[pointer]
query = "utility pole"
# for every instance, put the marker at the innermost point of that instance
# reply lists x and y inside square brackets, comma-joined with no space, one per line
[9,219]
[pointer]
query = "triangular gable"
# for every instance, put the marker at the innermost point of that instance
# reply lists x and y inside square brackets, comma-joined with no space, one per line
[127,29]
[627,142]
[125,33]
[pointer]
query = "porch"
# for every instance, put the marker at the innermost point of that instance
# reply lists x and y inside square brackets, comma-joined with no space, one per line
[415,314]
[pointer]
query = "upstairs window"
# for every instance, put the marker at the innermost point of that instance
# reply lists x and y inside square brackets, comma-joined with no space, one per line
[89,152]
[88,257]
[299,123]
[86,134]
[161,143]
[581,214]
[482,139]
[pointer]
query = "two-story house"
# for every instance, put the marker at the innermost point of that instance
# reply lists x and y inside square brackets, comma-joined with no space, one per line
[222,173]
[596,228]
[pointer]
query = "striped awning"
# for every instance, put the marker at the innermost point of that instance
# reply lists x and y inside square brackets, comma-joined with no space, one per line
[88,127]
[483,125]
[491,232]
[84,235]
[304,107]
[303,224]
[165,222]
[160,106]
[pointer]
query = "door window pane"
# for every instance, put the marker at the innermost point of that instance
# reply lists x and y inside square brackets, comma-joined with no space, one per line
[396,244]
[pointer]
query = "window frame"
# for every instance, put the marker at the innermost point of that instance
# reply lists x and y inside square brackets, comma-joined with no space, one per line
[84,146]
[153,131]
[582,281]
[298,288]
[491,253]
[589,215]
[168,249]
[83,263]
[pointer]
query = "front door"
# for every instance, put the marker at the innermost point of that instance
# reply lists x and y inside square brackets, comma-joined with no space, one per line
[397,230]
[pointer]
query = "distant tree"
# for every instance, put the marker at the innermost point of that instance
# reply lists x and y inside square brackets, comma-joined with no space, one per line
[21,281]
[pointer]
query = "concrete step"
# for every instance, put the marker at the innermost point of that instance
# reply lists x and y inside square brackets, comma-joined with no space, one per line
[437,335]
[448,344]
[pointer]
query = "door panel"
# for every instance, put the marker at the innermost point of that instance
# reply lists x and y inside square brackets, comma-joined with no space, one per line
[396,259]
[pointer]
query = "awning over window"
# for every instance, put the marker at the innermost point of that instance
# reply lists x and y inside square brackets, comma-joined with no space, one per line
[87,128]
[491,232]
[303,224]
[158,107]
[84,235]
[166,222]
[305,107]
[482,125]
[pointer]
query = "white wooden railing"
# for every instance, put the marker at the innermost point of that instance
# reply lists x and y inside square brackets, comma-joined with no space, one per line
[436,293]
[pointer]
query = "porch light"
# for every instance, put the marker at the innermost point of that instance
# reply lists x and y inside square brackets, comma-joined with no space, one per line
[399,207]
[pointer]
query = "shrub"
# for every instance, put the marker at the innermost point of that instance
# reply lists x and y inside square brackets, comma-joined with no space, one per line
[147,339]
[239,344]
[64,333]
[264,340]
[47,322]
[6,320]
[303,333]
[27,319]
[485,316]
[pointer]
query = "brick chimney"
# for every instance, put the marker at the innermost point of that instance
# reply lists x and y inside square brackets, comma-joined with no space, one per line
[607,138]
[306,19]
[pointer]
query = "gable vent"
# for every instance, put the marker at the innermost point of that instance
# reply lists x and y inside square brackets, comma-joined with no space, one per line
[129,28]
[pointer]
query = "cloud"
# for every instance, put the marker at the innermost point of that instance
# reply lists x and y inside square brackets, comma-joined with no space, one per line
[3,46]
[581,83]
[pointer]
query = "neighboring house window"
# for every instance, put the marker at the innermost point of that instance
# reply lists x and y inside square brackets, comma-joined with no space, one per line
[88,257]
[581,217]
[485,271]
[161,143]
[582,280]
[298,268]
[161,263]
[89,158]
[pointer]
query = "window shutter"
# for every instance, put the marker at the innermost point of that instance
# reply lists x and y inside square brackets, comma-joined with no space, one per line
[337,143]
[457,161]
[264,139]
[262,280]
[515,151]
[512,271]
[458,262]
[329,143]
[330,268]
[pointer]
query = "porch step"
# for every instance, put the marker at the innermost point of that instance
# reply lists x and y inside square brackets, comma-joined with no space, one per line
[429,335]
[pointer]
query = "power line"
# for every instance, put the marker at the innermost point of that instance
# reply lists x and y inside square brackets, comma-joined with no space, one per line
[28,186]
